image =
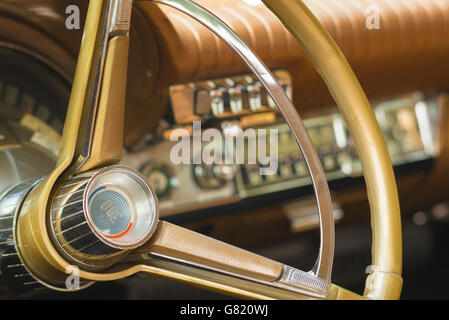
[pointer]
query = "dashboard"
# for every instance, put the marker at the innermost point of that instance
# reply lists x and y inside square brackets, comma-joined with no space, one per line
[409,124]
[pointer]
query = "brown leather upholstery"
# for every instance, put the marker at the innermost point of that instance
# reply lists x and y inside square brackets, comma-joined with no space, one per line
[410,51]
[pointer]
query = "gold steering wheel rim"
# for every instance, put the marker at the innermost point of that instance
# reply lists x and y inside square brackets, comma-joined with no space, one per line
[384,282]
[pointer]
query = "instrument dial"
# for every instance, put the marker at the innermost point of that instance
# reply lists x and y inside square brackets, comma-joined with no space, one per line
[33,100]
[160,177]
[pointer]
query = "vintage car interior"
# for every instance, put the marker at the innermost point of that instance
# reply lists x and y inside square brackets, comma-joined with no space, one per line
[96,97]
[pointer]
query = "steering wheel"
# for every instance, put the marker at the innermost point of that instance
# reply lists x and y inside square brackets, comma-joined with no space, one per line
[66,220]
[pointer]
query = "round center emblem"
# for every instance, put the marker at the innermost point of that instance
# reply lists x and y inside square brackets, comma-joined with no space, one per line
[120,207]
[110,212]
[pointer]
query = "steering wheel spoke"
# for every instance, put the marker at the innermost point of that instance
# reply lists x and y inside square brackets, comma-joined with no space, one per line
[187,247]
[93,136]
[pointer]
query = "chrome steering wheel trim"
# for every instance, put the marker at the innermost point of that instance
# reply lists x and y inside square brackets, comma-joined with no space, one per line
[323,265]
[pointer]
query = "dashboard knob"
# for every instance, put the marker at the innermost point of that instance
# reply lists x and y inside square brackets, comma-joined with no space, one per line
[224,172]
[213,176]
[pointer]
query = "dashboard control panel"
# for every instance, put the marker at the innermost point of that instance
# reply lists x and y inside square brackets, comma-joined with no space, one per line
[224,98]
[409,125]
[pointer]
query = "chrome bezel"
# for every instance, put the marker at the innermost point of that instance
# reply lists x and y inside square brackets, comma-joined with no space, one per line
[134,240]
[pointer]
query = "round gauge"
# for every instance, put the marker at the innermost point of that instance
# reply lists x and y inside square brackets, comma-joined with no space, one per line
[33,100]
[159,177]
[29,87]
